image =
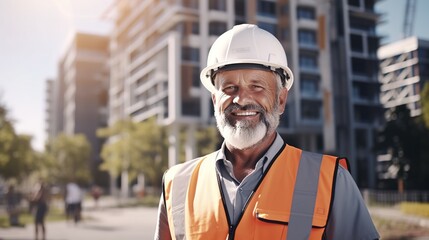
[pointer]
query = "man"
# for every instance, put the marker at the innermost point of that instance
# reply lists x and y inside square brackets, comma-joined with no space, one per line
[73,200]
[256,186]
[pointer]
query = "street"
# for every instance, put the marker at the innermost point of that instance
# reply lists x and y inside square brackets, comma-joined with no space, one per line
[138,223]
[108,223]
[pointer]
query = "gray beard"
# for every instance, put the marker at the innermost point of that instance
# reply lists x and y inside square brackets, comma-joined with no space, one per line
[242,134]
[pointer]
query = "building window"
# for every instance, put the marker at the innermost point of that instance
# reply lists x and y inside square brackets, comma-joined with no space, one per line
[356,43]
[217,5]
[307,37]
[190,4]
[240,8]
[190,54]
[359,66]
[190,76]
[423,53]
[309,86]
[361,24]
[267,8]
[191,107]
[355,3]
[188,28]
[272,28]
[306,13]
[217,28]
[310,110]
[308,62]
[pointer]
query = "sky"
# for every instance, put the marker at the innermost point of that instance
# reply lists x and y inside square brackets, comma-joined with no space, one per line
[34,33]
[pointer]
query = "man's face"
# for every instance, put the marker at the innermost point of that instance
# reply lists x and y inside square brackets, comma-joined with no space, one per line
[247,105]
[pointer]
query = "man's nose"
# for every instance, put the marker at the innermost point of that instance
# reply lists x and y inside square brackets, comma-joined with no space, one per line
[242,98]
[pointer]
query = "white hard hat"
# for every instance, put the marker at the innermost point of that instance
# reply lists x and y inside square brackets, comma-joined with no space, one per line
[243,46]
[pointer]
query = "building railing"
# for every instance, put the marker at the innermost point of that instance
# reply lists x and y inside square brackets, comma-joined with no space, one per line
[391,197]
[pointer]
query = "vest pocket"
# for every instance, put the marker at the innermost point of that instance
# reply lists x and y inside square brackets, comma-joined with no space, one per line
[272,216]
[270,224]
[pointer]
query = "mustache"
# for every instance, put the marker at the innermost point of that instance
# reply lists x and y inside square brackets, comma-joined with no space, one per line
[249,107]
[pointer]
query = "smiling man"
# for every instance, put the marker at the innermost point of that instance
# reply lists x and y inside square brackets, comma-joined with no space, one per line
[256,186]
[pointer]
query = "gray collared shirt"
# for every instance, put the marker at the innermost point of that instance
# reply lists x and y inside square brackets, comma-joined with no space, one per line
[237,193]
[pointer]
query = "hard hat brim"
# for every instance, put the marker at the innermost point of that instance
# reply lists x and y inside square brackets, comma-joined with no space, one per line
[205,75]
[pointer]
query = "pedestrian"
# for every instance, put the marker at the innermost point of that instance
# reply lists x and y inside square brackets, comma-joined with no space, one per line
[96,194]
[13,201]
[256,186]
[73,200]
[40,205]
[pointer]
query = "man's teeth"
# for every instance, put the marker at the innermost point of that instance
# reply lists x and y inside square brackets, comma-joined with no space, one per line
[245,113]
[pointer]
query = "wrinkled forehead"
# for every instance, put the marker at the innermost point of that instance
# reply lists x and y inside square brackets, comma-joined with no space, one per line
[262,76]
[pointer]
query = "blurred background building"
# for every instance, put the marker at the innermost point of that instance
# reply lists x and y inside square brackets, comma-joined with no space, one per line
[77,99]
[404,71]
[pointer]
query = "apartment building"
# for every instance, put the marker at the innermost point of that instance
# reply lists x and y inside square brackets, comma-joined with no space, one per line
[159,47]
[78,97]
[404,68]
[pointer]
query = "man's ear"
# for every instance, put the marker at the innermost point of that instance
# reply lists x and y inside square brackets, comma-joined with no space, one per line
[282,99]
[214,99]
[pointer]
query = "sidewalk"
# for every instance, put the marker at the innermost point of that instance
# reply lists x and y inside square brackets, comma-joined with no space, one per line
[394,224]
[396,214]
[98,224]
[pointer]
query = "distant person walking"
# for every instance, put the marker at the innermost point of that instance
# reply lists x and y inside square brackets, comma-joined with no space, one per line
[96,193]
[12,205]
[40,203]
[73,199]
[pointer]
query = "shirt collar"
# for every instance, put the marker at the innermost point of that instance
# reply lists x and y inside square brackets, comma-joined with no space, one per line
[267,158]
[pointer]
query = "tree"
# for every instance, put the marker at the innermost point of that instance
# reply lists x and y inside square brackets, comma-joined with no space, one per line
[142,148]
[406,139]
[17,157]
[135,147]
[68,158]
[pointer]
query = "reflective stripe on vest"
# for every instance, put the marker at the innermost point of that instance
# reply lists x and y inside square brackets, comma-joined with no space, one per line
[293,199]
[304,196]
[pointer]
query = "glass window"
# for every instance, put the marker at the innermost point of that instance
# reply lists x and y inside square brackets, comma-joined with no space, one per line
[359,66]
[267,8]
[190,3]
[190,54]
[355,3]
[307,37]
[190,76]
[309,85]
[356,42]
[217,5]
[272,28]
[217,28]
[306,13]
[310,110]
[191,107]
[307,61]
[240,8]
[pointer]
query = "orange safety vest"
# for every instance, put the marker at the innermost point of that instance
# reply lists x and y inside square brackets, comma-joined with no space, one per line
[292,199]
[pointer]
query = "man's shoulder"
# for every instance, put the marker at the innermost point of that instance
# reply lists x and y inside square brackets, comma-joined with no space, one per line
[186,167]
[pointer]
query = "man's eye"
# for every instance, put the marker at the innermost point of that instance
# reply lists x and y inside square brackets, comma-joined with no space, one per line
[229,88]
[257,87]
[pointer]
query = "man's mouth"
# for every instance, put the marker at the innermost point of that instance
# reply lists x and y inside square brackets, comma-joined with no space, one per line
[245,113]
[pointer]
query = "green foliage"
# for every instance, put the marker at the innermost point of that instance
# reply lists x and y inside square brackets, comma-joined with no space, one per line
[142,148]
[207,140]
[138,147]
[17,157]
[67,158]
[425,104]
